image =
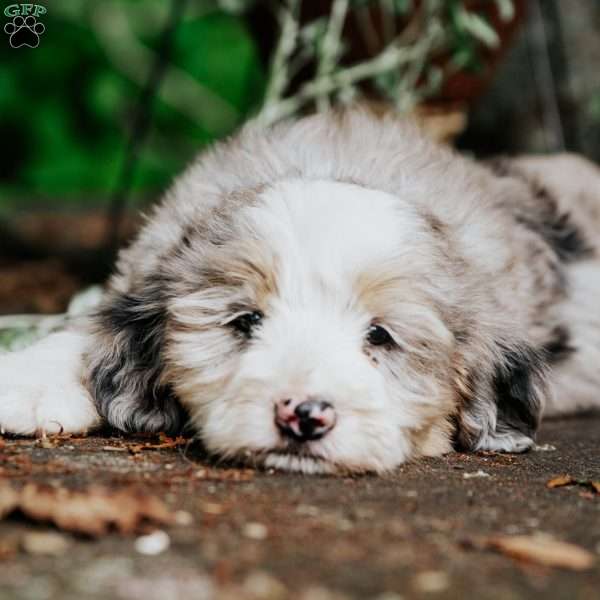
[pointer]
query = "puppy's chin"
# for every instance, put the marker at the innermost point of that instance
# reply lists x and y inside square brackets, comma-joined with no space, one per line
[306,459]
[298,463]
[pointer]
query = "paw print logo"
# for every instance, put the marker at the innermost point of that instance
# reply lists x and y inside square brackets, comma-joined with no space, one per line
[24,31]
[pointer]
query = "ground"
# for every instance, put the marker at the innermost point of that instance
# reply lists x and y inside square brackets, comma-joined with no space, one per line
[422,532]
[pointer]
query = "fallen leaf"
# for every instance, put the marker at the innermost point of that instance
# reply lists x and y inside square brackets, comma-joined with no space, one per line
[567,480]
[114,448]
[560,481]
[543,550]
[164,442]
[93,511]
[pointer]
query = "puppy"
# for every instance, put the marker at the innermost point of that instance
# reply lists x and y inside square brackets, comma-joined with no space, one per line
[338,294]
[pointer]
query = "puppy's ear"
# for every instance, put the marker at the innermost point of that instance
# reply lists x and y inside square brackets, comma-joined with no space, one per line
[501,409]
[125,365]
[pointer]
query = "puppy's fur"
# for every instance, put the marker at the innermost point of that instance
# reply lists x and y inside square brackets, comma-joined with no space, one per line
[485,276]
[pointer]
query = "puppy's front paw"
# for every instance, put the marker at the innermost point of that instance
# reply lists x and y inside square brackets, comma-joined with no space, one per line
[40,389]
[511,441]
[46,408]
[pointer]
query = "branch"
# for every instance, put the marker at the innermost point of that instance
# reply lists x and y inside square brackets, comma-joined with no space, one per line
[390,58]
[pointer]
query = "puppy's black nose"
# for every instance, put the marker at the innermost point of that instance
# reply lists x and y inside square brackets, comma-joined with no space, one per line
[307,420]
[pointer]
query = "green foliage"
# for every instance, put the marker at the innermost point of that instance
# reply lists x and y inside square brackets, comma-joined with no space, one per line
[420,44]
[66,107]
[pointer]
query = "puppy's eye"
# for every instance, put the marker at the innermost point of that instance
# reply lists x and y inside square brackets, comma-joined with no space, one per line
[245,323]
[378,336]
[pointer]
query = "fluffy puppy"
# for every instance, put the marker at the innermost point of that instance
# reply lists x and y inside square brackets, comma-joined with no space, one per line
[339,294]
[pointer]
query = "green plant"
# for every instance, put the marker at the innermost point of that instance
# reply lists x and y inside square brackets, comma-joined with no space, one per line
[405,71]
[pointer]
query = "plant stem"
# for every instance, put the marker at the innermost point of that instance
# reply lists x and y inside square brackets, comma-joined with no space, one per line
[278,73]
[332,46]
[390,58]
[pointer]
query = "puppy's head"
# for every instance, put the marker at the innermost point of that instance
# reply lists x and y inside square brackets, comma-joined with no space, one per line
[315,325]
[310,336]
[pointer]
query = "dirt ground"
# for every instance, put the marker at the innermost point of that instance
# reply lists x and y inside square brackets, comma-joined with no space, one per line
[420,533]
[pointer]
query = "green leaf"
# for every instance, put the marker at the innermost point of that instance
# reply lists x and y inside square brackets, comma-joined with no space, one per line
[506,10]
[479,28]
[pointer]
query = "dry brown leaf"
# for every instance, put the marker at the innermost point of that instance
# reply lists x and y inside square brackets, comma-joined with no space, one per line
[94,511]
[560,481]
[9,499]
[567,480]
[164,442]
[543,550]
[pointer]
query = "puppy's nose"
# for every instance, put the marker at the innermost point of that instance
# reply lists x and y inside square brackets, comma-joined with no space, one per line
[304,420]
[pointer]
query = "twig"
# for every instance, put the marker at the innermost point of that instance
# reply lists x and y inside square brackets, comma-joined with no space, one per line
[390,58]
[278,72]
[332,46]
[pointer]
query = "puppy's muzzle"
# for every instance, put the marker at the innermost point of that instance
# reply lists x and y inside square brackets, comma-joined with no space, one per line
[304,420]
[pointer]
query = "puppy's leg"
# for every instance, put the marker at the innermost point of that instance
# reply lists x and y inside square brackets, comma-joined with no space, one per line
[41,387]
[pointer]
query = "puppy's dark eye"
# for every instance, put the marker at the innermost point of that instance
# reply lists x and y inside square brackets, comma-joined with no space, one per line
[245,323]
[378,336]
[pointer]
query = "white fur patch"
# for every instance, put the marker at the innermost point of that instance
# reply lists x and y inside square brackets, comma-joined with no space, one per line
[41,389]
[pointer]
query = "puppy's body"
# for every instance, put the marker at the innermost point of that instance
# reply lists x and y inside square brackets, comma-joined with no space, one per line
[423,301]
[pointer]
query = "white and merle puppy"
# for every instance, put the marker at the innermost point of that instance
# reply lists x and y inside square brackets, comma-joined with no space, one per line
[338,294]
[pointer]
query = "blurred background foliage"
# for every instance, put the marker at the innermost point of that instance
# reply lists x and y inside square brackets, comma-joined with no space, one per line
[65,107]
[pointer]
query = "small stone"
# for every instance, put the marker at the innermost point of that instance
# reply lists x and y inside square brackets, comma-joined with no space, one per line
[344,524]
[307,510]
[212,508]
[262,586]
[432,581]
[183,518]
[544,448]
[45,543]
[476,475]
[153,543]
[255,531]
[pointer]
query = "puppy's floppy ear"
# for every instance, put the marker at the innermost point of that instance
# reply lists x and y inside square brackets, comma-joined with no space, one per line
[125,364]
[501,409]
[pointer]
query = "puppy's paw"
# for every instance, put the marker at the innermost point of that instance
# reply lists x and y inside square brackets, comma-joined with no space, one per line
[41,390]
[510,441]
